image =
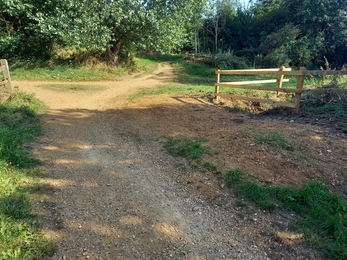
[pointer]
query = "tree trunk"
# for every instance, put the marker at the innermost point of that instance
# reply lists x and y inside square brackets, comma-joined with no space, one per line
[196,39]
[113,51]
[216,34]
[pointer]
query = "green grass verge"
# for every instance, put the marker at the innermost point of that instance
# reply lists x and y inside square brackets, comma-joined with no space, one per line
[20,237]
[46,71]
[65,73]
[321,214]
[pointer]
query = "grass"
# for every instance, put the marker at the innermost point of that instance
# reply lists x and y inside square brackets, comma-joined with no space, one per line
[191,148]
[20,237]
[276,140]
[48,71]
[65,73]
[146,65]
[170,89]
[321,214]
[71,87]
[149,64]
[195,78]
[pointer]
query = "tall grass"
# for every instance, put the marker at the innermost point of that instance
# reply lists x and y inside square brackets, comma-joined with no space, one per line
[20,237]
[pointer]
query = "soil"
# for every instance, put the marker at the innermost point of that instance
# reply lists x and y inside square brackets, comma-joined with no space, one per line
[113,191]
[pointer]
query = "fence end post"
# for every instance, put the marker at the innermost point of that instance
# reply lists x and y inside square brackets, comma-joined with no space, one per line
[299,86]
[6,72]
[216,88]
[280,80]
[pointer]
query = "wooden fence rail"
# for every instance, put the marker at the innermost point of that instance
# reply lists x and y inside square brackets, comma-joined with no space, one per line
[6,78]
[281,72]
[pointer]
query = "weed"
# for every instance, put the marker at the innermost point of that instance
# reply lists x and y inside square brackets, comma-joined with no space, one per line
[276,140]
[211,167]
[191,148]
[233,176]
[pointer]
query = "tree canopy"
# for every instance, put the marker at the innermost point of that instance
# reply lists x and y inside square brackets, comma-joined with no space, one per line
[263,33]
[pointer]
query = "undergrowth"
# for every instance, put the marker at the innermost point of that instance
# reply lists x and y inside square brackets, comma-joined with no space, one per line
[20,237]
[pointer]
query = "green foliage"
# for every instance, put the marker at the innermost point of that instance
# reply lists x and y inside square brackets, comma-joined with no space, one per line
[280,32]
[275,140]
[230,62]
[18,37]
[267,34]
[20,237]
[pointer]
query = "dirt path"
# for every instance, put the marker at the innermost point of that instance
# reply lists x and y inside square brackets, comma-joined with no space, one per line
[115,193]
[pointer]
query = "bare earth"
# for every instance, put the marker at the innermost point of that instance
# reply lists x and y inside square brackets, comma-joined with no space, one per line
[113,192]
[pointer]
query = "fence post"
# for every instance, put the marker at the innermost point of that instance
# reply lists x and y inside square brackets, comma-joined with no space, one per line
[216,88]
[299,86]
[6,72]
[280,80]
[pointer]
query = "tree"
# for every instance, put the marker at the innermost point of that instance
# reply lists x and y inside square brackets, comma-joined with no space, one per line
[219,12]
[18,35]
[322,25]
[140,24]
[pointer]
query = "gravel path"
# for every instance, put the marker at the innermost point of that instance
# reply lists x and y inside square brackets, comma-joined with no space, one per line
[109,191]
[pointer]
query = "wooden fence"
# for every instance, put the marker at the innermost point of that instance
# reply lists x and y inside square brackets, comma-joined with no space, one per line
[280,73]
[6,81]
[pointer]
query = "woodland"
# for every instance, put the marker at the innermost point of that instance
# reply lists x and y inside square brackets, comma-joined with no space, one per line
[258,33]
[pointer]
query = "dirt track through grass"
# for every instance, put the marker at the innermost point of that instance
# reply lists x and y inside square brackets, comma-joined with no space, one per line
[111,192]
